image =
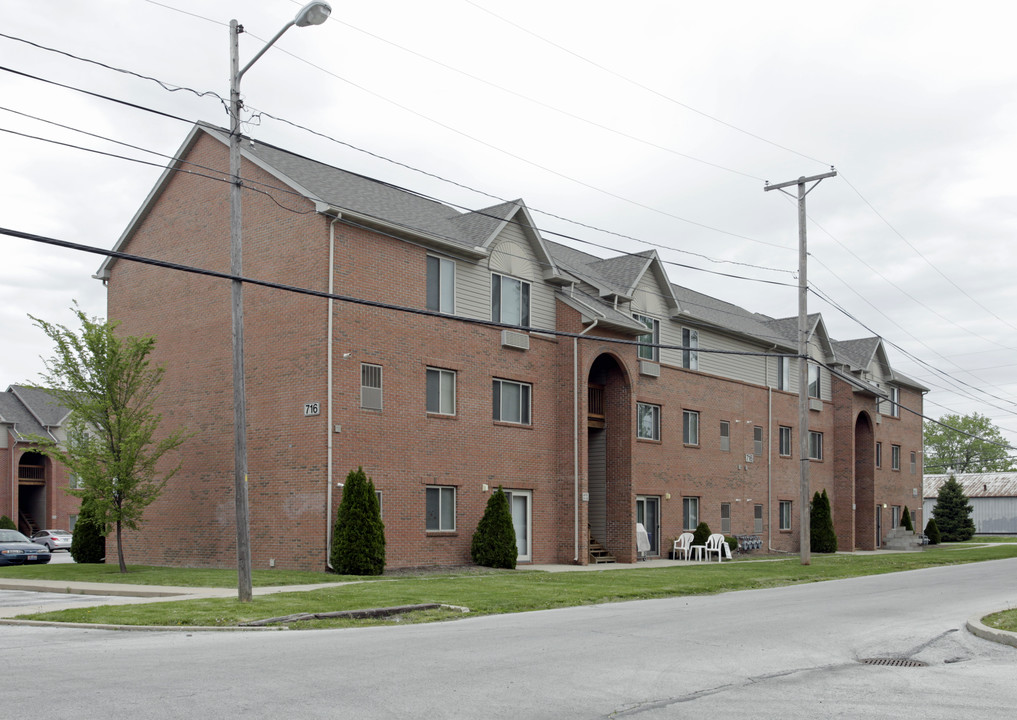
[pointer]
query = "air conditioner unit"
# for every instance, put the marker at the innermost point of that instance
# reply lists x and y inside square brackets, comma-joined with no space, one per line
[649,368]
[519,341]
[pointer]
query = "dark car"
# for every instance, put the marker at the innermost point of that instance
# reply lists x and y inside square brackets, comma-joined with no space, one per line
[53,539]
[16,549]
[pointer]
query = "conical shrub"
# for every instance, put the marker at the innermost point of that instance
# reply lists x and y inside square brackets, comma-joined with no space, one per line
[358,539]
[494,541]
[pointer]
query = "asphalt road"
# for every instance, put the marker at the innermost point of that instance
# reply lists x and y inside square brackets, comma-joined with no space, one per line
[781,653]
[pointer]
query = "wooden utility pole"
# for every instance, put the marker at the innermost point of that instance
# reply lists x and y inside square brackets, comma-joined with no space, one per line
[804,533]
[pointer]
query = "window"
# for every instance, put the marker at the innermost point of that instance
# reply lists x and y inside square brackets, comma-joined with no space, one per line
[725,436]
[690,341]
[77,483]
[783,373]
[757,519]
[512,402]
[725,517]
[71,523]
[377,495]
[647,421]
[879,455]
[441,284]
[784,441]
[690,513]
[690,427]
[894,401]
[895,516]
[652,338]
[370,386]
[814,383]
[757,441]
[440,508]
[785,515]
[914,462]
[510,300]
[815,445]
[441,391]
[895,457]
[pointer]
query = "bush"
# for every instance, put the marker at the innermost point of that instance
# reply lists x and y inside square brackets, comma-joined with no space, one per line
[7,524]
[932,532]
[358,538]
[953,513]
[905,520]
[822,538]
[494,541]
[732,543]
[88,539]
[702,534]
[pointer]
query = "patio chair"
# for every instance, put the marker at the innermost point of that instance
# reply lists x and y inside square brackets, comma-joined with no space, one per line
[682,545]
[714,544]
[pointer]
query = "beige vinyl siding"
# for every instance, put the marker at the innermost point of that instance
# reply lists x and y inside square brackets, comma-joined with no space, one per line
[745,368]
[513,254]
[473,290]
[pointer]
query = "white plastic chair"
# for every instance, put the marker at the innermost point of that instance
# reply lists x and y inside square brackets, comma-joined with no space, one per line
[682,545]
[714,545]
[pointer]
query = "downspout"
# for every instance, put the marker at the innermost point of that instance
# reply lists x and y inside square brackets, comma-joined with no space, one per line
[328,399]
[769,453]
[575,427]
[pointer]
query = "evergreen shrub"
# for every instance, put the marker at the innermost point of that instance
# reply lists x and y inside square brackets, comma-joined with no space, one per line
[953,513]
[822,538]
[932,532]
[702,534]
[7,524]
[358,539]
[88,539]
[494,541]
[905,520]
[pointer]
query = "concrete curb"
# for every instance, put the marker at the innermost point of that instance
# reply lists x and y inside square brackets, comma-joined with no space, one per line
[142,628]
[975,626]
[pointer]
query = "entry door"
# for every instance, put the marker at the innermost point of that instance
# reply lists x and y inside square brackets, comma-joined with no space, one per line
[520,502]
[648,513]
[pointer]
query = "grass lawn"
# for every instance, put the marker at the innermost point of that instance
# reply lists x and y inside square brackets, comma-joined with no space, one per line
[992,539]
[1006,620]
[154,575]
[490,592]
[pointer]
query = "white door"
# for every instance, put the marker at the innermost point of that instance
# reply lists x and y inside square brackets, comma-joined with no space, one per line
[520,503]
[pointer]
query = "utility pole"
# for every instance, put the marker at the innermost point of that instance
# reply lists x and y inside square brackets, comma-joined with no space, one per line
[804,534]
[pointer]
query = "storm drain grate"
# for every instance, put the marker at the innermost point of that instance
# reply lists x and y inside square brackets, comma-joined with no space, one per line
[894,662]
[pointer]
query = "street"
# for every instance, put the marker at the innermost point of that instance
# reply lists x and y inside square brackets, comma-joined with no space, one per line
[784,653]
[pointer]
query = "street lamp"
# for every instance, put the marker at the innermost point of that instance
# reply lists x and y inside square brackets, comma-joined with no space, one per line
[314,13]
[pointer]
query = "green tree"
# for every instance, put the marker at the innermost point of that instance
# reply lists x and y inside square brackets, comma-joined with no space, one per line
[358,539]
[822,538]
[965,444]
[109,385]
[953,513]
[88,540]
[932,532]
[905,520]
[7,524]
[494,541]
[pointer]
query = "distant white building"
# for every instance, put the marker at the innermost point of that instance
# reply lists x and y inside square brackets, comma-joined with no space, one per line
[993,496]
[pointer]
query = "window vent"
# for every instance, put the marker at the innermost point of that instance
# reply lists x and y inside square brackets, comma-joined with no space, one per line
[879,419]
[651,369]
[815,404]
[519,341]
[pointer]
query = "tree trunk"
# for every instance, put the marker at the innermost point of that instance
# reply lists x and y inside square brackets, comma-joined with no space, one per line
[120,550]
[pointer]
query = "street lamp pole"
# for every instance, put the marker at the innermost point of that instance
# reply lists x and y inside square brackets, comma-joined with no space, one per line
[314,13]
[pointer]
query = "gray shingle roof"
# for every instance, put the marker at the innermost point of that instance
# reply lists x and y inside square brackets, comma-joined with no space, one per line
[30,410]
[856,353]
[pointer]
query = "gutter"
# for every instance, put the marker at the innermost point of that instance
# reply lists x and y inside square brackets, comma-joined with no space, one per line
[575,427]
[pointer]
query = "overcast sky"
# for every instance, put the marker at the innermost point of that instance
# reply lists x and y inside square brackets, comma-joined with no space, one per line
[646,124]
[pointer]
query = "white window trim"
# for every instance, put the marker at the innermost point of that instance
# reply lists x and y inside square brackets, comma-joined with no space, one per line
[690,502]
[379,388]
[784,512]
[725,436]
[654,410]
[525,298]
[439,489]
[525,405]
[815,380]
[446,269]
[783,373]
[443,377]
[895,457]
[782,431]
[690,426]
[690,340]
[650,351]
[815,445]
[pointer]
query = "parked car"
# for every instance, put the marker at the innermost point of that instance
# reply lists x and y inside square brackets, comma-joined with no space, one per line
[16,549]
[53,539]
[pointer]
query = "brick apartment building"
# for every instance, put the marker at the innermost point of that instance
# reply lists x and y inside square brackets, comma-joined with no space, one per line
[637,419]
[32,485]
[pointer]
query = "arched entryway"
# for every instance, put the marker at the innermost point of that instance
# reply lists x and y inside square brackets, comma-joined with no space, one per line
[32,474]
[609,460]
[865,483]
